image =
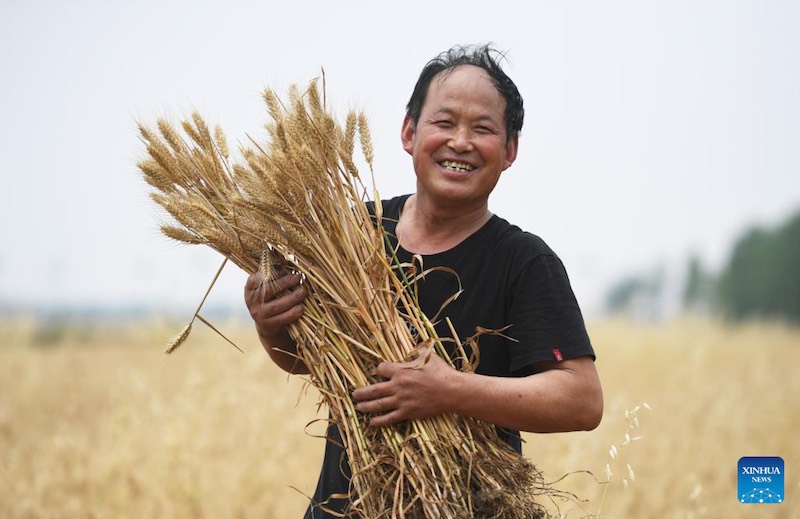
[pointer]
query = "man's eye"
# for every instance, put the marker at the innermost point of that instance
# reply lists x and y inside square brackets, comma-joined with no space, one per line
[443,123]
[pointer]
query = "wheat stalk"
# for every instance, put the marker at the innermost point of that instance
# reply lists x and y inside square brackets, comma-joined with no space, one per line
[298,202]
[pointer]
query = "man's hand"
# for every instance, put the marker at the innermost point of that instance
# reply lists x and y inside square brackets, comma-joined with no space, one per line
[274,305]
[412,390]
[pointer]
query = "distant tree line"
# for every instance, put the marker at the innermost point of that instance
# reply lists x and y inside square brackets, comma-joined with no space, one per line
[761,279]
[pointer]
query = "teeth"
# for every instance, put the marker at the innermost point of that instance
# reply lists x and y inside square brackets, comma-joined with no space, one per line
[457,166]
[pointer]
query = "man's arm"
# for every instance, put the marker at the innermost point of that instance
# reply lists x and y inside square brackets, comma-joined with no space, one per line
[273,306]
[564,396]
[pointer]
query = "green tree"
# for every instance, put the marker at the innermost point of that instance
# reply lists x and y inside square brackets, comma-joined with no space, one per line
[762,277]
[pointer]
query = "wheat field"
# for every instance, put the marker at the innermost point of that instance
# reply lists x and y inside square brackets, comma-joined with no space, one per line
[96,422]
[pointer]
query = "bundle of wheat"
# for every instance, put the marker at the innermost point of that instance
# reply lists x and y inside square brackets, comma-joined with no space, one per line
[298,201]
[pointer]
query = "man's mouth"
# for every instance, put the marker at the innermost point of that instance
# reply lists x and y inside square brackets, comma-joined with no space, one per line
[461,167]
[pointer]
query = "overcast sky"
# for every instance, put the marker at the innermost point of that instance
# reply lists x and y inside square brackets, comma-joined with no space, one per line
[653,129]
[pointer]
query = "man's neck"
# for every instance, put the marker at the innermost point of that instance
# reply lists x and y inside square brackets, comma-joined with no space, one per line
[424,228]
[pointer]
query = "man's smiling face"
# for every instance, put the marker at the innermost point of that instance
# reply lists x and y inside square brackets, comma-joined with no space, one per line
[459,145]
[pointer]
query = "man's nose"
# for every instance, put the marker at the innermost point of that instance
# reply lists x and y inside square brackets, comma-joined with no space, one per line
[460,140]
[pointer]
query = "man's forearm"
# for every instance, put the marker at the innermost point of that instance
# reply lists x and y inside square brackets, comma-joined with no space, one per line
[283,352]
[564,398]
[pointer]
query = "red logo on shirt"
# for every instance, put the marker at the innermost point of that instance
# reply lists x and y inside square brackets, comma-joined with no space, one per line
[557,355]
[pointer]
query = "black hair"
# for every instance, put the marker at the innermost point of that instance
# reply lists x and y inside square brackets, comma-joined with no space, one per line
[483,56]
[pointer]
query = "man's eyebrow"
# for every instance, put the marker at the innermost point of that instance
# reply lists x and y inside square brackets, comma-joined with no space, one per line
[449,111]
[443,111]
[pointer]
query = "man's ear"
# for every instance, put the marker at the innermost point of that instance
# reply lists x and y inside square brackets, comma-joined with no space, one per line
[511,151]
[407,135]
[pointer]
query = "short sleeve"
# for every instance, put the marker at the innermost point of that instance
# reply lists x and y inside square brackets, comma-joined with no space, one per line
[545,318]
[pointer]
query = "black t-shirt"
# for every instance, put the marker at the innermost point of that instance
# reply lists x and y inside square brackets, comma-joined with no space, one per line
[511,281]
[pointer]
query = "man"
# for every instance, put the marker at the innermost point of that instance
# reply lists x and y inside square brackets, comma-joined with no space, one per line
[462,131]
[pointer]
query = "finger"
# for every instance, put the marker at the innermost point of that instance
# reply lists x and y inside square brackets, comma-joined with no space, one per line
[377,406]
[285,301]
[388,369]
[272,324]
[385,420]
[271,317]
[255,283]
[371,392]
[270,295]
[286,284]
